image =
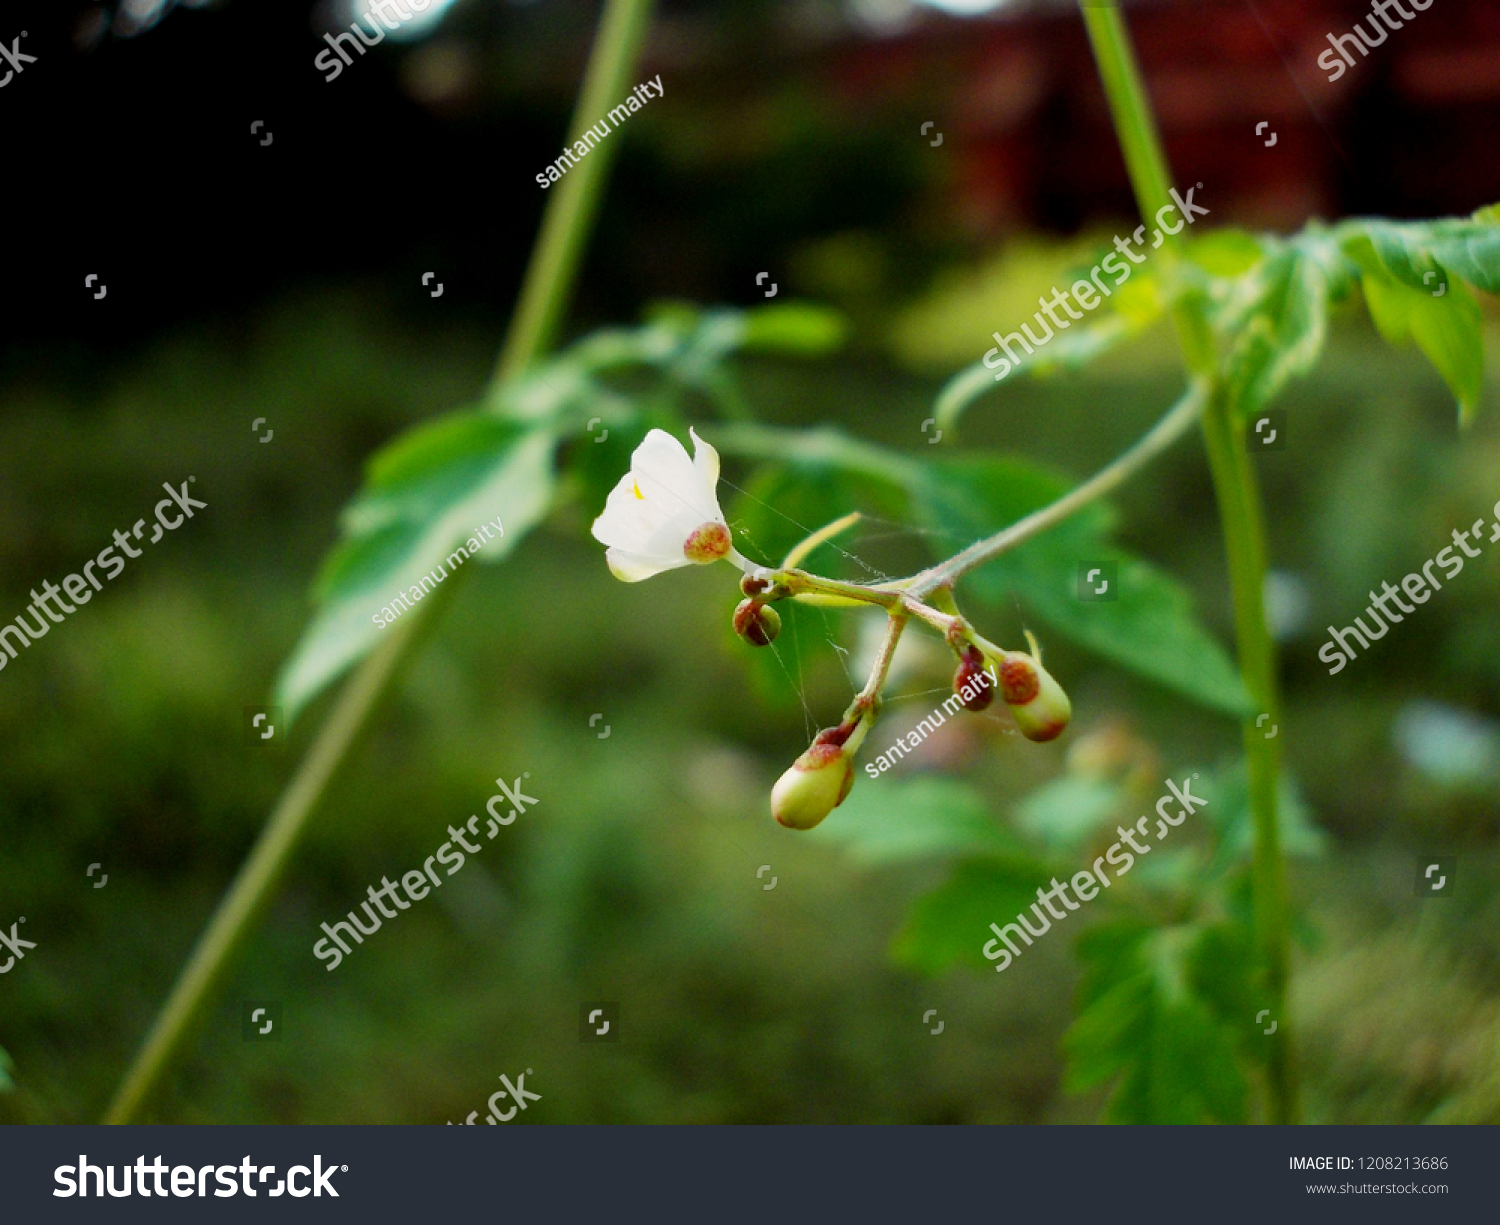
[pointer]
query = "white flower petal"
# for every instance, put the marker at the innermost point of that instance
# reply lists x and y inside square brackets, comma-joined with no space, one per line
[706,464]
[633,567]
[666,475]
[663,502]
[628,518]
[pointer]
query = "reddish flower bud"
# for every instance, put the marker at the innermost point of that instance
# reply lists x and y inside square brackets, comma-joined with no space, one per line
[972,683]
[820,780]
[756,623]
[1038,703]
[1019,682]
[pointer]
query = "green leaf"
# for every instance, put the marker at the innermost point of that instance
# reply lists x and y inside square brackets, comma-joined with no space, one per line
[424,495]
[889,820]
[1448,329]
[1283,334]
[1225,252]
[950,926]
[1412,251]
[1147,1022]
[6,1068]
[1150,628]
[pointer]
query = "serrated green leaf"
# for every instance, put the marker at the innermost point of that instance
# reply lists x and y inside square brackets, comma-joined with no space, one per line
[1150,628]
[425,494]
[1229,810]
[950,926]
[1447,328]
[1147,1021]
[888,820]
[1420,254]
[1283,335]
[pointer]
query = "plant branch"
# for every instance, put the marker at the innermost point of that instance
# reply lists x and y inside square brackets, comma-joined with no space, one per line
[1166,431]
[570,214]
[548,286]
[871,692]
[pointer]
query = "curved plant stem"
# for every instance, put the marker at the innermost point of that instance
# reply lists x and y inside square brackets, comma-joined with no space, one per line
[544,296]
[1243,523]
[1166,431]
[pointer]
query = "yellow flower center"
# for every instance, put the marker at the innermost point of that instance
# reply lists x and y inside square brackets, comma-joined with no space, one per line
[707,543]
[636,485]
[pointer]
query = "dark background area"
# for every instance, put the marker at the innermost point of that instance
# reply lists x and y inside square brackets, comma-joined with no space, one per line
[132,156]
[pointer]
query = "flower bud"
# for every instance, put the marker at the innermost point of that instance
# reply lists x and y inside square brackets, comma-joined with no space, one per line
[971,676]
[819,780]
[756,623]
[1038,703]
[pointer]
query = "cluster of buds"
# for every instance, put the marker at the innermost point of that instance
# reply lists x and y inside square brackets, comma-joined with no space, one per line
[664,514]
[1037,702]
[755,620]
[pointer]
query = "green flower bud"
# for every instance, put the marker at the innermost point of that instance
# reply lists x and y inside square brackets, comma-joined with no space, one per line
[971,674]
[819,780]
[1038,703]
[756,623]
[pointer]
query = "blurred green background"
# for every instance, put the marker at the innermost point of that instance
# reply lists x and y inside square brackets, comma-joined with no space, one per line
[634,880]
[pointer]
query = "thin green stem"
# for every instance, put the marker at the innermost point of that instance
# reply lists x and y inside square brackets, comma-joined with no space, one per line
[871,692]
[1166,431]
[548,286]
[1243,523]
[1135,123]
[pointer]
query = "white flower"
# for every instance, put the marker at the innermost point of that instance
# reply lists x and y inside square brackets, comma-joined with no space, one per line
[665,512]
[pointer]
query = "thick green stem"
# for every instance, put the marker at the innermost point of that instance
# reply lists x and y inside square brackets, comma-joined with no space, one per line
[570,214]
[1243,523]
[544,296]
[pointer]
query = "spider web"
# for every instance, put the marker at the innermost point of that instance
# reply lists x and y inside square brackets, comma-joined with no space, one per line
[885,529]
